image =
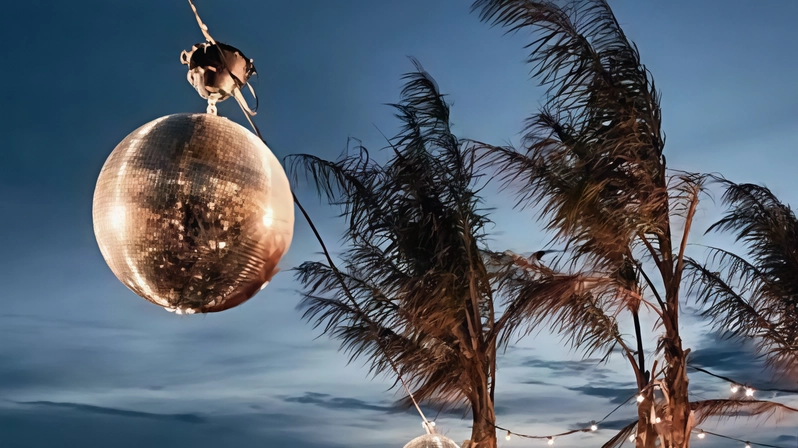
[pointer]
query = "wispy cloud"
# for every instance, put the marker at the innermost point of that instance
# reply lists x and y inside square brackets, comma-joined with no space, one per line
[340,403]
[101,410]
[616,395]
[737,360]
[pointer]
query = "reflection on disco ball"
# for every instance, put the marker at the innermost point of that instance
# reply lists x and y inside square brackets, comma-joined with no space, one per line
[193,212]
[432,441]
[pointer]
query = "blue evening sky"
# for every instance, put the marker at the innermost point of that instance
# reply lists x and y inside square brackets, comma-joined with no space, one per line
[86,363]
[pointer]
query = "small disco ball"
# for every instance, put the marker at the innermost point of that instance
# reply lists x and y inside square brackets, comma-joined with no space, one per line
[193,212]
[432,441]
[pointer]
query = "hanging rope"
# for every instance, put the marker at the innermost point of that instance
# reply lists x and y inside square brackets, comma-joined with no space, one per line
[428,426]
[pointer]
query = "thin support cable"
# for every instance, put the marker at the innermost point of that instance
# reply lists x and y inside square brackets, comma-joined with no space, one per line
[573,431]
[707,372]
[746,442]
[426,423]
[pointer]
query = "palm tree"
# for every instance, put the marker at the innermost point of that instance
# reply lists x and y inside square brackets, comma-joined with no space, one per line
[755,296]
[592,162]
[413,293]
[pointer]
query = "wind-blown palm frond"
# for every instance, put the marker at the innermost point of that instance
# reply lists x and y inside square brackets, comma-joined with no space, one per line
[756,295]
[620,438]
[705,409]
[592,162]
[574,305]
[413,291]
[592,158]
[593,155]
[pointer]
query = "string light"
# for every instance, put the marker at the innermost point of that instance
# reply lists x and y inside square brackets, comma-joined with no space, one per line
[593,427]
[550,438]
[702,434]
[735,385]
[639,397]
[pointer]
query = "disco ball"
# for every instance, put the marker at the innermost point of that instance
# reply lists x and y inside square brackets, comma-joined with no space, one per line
[193,212]
[432,441]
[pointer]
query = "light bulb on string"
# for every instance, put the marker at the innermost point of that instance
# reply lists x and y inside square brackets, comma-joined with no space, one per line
[657,420]
[640,398]
[551,441]
[747,444]
[734,388]
[749,392]
[701,434]
[594,427]
[508,436]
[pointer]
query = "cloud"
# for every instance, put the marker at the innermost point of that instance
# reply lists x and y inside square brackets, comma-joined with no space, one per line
[786,439]
[90,409]
[340,403]
[535,383]
[724,354]
[46,424]
[616,395]
[570,367]
[737,360]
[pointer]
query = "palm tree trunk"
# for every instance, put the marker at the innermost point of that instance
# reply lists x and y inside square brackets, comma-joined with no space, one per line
[677,382]
[483,432]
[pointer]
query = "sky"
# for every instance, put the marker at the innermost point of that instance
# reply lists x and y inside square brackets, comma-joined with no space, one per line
[85,362]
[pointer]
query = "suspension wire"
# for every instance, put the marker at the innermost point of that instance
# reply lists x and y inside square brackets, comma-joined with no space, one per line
[428,426]
[746,442]
[573,431]
[705,371]
[698,431]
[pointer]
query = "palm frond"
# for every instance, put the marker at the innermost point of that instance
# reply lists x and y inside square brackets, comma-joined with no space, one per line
[575,306]
[415,293]
[754,296]
[592,158]
[705,409]
[618,439]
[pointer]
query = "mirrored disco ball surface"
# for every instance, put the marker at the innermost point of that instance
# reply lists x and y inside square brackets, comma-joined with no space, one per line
[431,441]
[193,212]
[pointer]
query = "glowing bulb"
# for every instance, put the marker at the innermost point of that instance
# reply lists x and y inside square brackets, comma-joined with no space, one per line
[594,427]
[632,437]
[734,388]
[657,420]
[640,398]
[747,445]
[749,392]
[551,441]
[701,435]
[508,436]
